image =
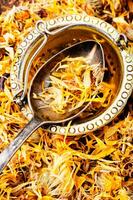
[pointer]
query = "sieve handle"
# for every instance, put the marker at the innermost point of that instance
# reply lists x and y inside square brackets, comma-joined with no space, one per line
[8,153]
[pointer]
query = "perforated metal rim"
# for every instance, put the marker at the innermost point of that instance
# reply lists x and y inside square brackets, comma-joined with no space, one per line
[126,86]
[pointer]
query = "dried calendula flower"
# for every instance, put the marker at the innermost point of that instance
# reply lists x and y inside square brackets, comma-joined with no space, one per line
[124,27]
[93,6]
[129,32]
[22,15]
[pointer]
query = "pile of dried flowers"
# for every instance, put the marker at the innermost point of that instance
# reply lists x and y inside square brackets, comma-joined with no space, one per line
[95,166]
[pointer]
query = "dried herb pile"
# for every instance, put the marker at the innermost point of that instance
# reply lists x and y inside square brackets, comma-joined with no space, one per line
[96,166]
[74,83]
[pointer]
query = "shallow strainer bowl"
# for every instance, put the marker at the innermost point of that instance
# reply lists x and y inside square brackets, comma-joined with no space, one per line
[49,37]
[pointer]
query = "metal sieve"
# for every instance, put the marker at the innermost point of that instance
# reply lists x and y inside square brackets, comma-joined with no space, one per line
[50,37]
